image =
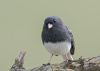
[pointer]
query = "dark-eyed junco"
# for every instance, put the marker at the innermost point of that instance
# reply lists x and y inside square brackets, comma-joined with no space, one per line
[57,38]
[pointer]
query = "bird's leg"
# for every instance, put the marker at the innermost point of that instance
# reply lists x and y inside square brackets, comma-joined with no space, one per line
[50,60]
[66,56]
[67,59]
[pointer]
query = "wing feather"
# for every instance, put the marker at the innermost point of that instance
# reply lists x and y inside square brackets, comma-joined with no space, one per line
[72,50]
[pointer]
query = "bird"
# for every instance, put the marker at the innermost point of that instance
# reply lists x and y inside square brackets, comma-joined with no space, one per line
[58,39]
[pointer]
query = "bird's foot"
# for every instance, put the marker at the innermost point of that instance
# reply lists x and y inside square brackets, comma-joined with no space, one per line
[70,61]
[46,64]
[67,62]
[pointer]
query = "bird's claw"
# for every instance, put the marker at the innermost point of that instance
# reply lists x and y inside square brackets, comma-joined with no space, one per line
[46,64]
[67,62]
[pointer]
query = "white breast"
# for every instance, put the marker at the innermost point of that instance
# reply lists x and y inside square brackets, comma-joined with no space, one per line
[59,48]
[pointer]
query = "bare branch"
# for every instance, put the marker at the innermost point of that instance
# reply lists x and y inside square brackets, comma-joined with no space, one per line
[81,64]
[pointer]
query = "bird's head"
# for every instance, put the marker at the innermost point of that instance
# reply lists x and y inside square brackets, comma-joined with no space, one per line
[52,21]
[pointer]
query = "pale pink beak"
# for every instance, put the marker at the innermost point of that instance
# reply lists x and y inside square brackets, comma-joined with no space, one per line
[50,25]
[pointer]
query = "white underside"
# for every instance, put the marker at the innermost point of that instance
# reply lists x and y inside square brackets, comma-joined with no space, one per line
[60,48]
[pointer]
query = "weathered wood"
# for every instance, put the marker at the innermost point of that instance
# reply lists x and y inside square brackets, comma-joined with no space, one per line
[81,64]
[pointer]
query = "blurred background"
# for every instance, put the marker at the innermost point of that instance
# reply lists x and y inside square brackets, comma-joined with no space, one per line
[21,23]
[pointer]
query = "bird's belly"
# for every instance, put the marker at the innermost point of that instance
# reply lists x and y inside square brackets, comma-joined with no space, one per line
[59,48]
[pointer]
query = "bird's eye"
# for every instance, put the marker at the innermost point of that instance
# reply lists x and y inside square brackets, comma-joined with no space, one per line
[54,20]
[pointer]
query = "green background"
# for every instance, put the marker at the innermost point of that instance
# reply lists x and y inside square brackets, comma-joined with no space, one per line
[21,23]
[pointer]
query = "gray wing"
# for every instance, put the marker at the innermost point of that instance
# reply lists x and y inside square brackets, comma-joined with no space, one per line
[72,50]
